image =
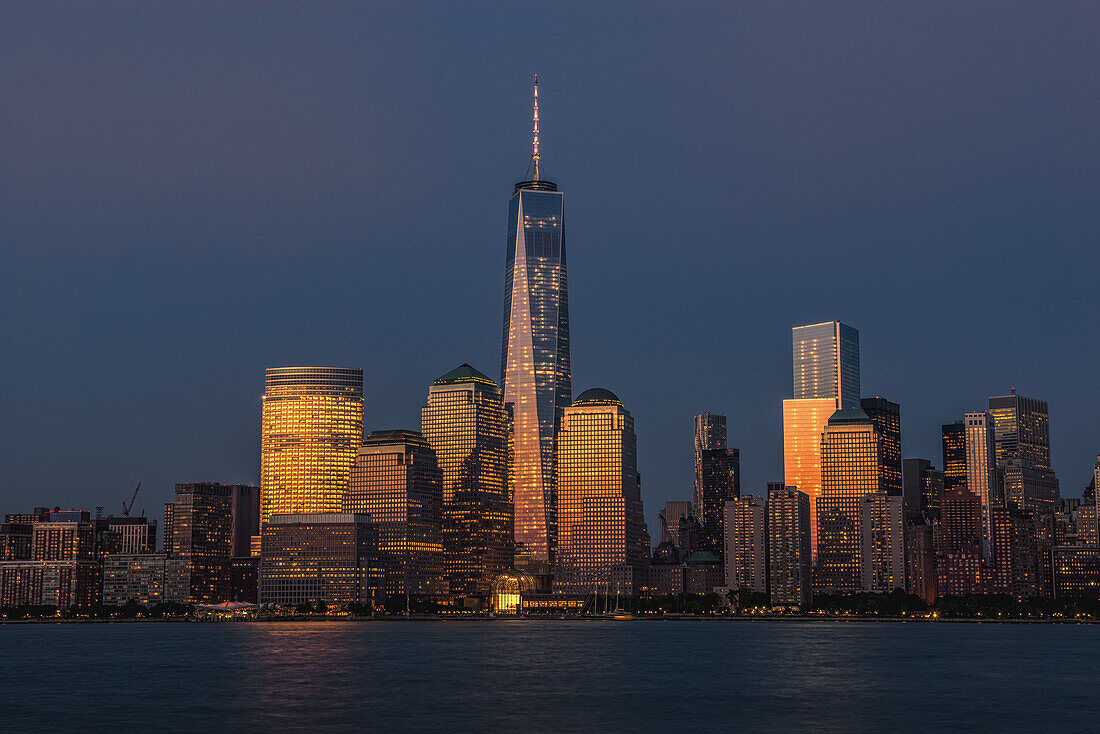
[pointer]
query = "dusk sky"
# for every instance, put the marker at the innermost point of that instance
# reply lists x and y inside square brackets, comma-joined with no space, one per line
[192,192]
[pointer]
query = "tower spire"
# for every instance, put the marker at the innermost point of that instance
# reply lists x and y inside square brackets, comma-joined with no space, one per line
[535,152]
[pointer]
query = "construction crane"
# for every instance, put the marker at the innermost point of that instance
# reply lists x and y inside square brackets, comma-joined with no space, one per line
[127,507]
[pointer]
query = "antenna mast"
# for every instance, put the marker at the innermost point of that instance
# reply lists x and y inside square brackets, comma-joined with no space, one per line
[535,153]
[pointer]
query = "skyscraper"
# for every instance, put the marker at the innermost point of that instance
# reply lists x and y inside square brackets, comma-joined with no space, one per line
[670,520]
[397,482]
[1021,434]
[826,363]
[826,379]
[717,479]
[954,455]
[746,551]
[202,537]
[922,488]
[534,364]
[789,572]
[981,472]
[602,529]
[886,416]
[467,426]
[312,426]
[851,469]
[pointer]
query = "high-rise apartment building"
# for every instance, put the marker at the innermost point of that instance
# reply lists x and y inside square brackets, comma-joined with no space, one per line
[851,469]
[202,537]
[717,479]
[981,472]
[826,379]
[535,369]
[1021,428]
[602,533]
[64,568]
[953,437]
[746,552]
[320,557]
[882,532]
[467,425]
[789,566]
[397,482]
[147,578]
[886,416]
[311,429]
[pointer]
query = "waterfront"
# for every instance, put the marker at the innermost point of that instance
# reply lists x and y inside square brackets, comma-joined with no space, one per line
[549,676]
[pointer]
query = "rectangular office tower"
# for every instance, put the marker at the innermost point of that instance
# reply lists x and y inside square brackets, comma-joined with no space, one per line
[602,534]
[397,482]
[535,371]
[311,428]
[953,439]
[788,546]
[826,379]
[851,469]
[467,425]
[886,416]
[1021,435]
[319,557]
[717,479]
[202,537]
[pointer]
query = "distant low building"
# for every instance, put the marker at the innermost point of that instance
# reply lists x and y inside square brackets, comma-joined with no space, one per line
[147,578]
[1076,573]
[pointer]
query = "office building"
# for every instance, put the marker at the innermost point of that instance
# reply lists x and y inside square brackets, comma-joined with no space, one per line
[202,536]
[311,429]
[717,478]
[467,426]
[1021,428]
[245,509]
[601,527]
[1076,573]
[851,469]
[397,482]
[535,369]
[147,578]
[826,379]
[954,456]
[886,416]
[789,566]
[320,557]
[746,552]
[981,472]
[920,561]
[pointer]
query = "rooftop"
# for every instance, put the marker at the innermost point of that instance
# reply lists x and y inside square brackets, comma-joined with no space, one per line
[598,396]
[464,373]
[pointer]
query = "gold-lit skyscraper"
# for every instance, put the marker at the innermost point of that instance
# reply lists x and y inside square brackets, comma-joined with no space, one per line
[826,379]
[602,539]
[467,425]
[536,377]
[312,427]
[981,472]
[851,469]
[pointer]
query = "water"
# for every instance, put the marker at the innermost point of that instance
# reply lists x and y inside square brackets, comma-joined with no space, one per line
[549,676]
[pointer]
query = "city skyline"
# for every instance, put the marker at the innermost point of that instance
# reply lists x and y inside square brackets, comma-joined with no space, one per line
[205,427]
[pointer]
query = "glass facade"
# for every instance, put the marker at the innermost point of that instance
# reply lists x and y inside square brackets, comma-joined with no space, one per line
[535,368]
[312,426]
[886,416]
[981,471]
[826,363]
[1021,437]
[396,480]
[851,469]
[954,456]
[803,423]
[467,426]
[202,535]
[602,529]
[717,479]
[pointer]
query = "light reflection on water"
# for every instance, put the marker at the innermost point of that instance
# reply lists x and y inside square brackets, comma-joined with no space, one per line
[548,676]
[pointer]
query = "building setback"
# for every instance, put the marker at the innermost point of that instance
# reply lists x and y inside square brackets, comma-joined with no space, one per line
[717,479]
